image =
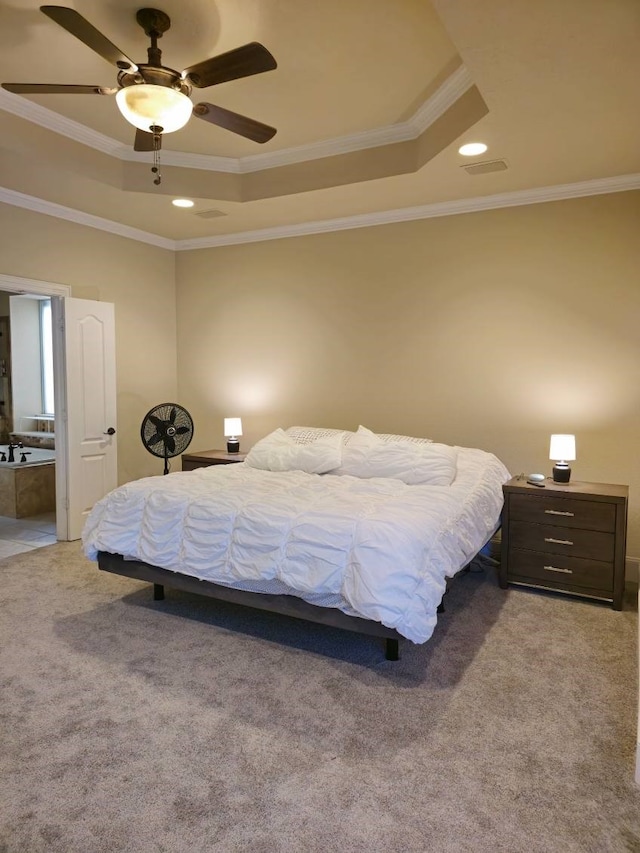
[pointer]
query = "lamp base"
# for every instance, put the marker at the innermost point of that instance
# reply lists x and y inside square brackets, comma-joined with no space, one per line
[561,472]
[233,445]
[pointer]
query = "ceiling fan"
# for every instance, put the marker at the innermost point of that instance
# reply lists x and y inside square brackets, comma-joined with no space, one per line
[153,98]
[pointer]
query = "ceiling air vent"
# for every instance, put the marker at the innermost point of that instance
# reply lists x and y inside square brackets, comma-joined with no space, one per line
[210,214]
[487,166]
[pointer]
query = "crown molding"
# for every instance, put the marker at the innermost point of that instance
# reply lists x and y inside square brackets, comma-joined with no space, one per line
[518,198]
[51,120]
[205,162]
[59,211]
[598,186]
[445,96]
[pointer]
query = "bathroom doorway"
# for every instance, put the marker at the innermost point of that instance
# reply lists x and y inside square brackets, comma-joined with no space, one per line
[86,465]
[27,417]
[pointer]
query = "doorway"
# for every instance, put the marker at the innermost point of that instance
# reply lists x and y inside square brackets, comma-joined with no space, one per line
[42,528]
[84,376]
[27,439]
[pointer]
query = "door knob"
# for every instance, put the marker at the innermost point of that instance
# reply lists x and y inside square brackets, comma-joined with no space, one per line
[110,431]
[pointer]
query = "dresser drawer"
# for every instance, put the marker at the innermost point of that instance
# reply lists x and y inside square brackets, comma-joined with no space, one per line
[574,571]
[573,542]
[564,512]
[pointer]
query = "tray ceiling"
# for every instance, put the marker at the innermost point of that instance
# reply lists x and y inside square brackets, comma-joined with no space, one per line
[371,100]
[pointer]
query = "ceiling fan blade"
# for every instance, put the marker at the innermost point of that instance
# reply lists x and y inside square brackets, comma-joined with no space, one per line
[247,127]
[144,141]
[74,23]
[52,89]
[243,61]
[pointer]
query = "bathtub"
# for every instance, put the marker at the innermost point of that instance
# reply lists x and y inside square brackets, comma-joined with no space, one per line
[35,456]
[28,488]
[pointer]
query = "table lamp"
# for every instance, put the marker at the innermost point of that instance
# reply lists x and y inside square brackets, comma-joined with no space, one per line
[233,429]
[562,450]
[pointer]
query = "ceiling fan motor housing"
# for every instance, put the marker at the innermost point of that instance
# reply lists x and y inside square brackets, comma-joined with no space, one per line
[155,76]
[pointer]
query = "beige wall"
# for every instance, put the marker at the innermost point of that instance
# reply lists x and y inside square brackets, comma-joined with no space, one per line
[140,281]
[492,329]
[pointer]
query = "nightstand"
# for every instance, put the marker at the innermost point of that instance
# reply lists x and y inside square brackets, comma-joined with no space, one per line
[568,537]
[191,461]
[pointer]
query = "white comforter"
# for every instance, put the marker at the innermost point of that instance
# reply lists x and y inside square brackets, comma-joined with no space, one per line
[376,548]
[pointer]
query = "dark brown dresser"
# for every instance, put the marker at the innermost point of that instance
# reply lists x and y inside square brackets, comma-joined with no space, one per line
[568,537]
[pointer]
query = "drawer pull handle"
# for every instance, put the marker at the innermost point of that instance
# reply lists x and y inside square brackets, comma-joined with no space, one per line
[554,569]
[558,541]
[559,512]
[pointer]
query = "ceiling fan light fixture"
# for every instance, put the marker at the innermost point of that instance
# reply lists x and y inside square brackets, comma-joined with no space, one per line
[145,105]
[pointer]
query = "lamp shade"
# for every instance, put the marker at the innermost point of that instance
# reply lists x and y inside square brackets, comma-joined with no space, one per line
[232,427]
[562,448]
[145,105]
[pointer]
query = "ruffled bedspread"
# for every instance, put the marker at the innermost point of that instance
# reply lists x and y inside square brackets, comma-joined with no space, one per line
[376,548]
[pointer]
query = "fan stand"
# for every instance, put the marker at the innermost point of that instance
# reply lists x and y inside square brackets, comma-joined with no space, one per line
[171,432]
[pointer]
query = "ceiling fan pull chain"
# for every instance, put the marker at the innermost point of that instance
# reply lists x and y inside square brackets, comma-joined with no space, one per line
[157,142]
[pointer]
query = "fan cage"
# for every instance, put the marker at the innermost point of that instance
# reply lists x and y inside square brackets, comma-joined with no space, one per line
[167,430]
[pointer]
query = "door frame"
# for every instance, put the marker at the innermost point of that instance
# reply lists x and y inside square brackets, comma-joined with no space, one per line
[57,292]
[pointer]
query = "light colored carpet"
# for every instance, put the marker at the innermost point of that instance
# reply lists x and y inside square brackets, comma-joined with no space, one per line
[187,725]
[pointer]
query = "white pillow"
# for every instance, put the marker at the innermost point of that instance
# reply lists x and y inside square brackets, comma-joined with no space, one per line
[278,452]
[305,435]
[367,455]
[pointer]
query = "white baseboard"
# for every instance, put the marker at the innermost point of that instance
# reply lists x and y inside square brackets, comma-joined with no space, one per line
[632,570]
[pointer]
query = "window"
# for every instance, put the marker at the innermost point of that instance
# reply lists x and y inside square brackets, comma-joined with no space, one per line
[46,357]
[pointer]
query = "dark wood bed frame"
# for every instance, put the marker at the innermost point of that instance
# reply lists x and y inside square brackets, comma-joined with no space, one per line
[286,604]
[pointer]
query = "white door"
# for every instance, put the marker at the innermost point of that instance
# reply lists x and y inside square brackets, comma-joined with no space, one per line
[89,440]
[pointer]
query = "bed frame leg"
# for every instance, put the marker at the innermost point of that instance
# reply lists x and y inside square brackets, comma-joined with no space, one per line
[158,592]
[391,649]
[441,605]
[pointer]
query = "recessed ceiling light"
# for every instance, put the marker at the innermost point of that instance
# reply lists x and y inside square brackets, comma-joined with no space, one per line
[472,148]
[182,202]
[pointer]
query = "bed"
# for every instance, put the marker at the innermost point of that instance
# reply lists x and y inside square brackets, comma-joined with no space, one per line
[351,529]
